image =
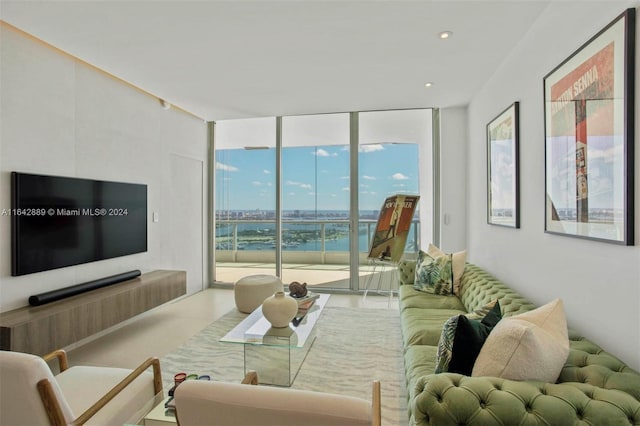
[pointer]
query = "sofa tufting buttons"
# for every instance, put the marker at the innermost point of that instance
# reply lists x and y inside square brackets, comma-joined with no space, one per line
[483,405]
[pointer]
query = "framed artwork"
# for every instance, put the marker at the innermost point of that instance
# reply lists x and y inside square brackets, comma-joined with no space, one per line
[503,194]
[589,128]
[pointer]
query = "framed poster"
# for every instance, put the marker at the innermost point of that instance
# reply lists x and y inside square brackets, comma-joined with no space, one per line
[392,229]
[503,195]
[589,128]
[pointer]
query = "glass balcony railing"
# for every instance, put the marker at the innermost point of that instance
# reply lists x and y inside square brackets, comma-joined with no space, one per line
[328,237]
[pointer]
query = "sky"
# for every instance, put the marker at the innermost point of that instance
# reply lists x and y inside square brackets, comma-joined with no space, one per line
[314,177]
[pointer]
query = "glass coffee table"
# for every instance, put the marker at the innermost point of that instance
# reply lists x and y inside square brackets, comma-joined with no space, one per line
[276,354]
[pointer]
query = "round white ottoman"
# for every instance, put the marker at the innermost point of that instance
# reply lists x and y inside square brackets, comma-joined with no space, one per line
[250,291]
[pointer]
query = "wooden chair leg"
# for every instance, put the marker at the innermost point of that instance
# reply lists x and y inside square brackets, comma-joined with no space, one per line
[157,376]
[376,415]
[251,378]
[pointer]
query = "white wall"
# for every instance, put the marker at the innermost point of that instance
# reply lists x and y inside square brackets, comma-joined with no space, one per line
[62,117]
[598,282]
[453,175]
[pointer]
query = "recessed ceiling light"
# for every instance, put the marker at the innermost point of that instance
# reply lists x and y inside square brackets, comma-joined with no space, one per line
[428,84]
[445,35]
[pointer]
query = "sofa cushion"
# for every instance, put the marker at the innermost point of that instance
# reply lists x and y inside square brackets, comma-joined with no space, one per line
[412,298]
[423,326]
[458,263]
[419,361]
[84,385]
[462,338]
[434,274]
[529,346]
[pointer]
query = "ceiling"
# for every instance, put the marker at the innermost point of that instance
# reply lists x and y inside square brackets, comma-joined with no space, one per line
[235,59]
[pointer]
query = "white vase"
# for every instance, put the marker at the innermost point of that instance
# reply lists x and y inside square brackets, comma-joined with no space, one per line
[279,309]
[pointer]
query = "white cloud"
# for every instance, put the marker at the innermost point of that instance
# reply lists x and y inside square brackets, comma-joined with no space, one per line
[256,183]
[225,167]
[321,153]
[344,177]
[346,188]
[266,172]
[365,177]
[300,184]
[370,148]
[399,176]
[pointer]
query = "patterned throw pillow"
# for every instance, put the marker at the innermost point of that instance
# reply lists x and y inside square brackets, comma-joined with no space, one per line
[458,261]
[434,274]
[462,338]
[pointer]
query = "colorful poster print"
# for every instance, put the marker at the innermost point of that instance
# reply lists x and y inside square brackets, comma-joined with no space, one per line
[393,226]
[588,133]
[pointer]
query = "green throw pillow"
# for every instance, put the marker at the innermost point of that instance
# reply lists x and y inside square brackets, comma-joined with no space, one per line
[462,338]
[434,275]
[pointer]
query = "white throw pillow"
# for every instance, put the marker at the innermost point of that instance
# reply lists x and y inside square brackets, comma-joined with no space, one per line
[529,346]
[458,261]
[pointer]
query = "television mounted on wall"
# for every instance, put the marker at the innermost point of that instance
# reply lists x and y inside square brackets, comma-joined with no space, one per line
[63,221]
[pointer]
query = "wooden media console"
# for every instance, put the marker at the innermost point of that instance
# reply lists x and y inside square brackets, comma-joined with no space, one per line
[41,329]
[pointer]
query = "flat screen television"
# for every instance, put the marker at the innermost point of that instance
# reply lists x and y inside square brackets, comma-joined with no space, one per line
[62,221]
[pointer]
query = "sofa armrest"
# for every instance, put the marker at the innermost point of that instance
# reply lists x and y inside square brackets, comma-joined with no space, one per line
[453,399]
[406,271]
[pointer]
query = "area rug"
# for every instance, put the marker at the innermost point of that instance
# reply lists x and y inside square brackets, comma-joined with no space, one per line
[353,347]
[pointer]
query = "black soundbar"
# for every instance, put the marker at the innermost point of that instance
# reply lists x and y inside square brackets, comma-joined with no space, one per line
[62,293]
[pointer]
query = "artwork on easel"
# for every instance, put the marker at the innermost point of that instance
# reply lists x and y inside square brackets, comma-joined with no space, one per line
[392,228]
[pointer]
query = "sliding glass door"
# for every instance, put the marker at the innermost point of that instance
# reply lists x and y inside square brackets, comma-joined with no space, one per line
[315,200]
[245,198]
[292,196]
[394,157]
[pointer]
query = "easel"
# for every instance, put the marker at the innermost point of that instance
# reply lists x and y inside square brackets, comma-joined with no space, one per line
[389,238]
[385,271]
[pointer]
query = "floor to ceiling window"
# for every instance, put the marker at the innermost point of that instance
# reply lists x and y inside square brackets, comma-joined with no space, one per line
[394,157]
[245,197]
[318,180]
[315,206]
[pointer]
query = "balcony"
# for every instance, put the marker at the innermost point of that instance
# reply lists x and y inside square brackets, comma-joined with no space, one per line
[313,251]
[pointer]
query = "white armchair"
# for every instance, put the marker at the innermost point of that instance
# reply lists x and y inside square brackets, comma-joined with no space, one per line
[31,395]
[229,404]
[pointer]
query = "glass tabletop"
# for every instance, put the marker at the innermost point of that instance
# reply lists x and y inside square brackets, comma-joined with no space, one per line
[256,330]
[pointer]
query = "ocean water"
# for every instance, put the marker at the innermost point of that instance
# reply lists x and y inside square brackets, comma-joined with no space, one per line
[296,237]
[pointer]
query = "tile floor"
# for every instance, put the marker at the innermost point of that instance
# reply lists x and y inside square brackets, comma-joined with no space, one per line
[164,329]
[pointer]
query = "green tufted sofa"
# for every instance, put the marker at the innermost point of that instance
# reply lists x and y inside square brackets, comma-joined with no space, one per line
[594,387]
